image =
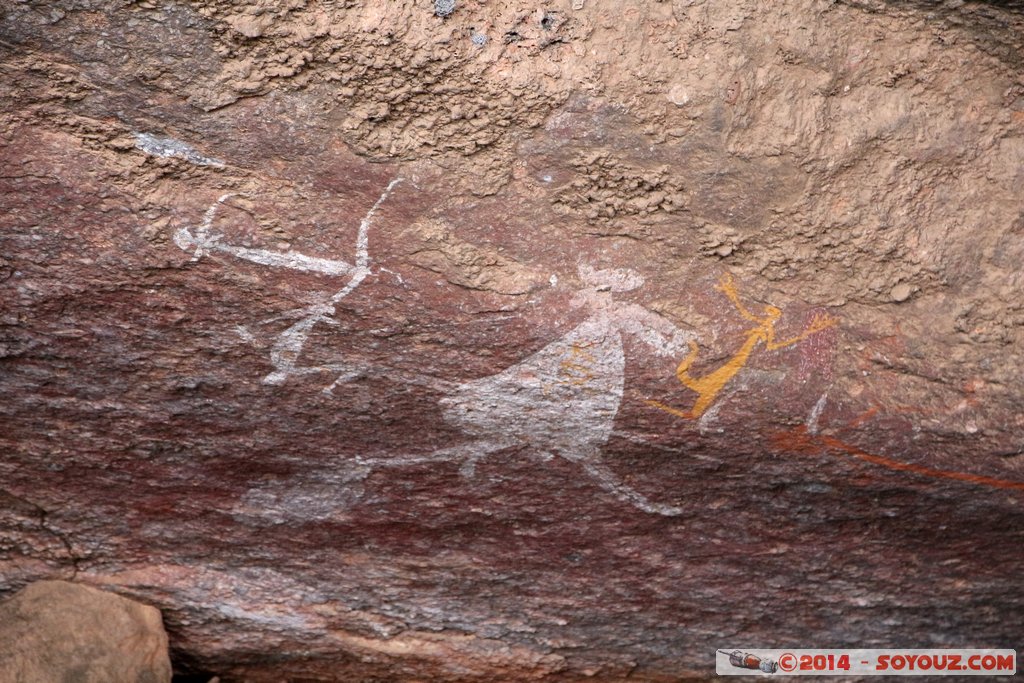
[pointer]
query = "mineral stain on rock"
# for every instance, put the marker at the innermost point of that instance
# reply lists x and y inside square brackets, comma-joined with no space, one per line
[169,147]
[444,8]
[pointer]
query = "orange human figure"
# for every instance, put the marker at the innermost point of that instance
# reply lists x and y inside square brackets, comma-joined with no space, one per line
[710,385]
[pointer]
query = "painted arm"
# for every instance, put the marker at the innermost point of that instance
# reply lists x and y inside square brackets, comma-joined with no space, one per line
[288,259]
[728,287]
[818,323]
[203,242]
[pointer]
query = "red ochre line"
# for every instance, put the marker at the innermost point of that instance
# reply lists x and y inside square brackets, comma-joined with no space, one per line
[801,439]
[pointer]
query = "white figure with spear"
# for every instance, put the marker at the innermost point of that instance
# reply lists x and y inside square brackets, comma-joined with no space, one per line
[287,350]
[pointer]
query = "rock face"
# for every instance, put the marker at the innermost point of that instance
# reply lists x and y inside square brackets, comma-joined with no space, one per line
[60,631]
[506,341]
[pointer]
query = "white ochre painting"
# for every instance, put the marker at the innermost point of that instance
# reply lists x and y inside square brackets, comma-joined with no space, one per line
[286,353]
[563,399]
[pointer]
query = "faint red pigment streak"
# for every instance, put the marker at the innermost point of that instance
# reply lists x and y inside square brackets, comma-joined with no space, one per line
[799,440]
[863,417]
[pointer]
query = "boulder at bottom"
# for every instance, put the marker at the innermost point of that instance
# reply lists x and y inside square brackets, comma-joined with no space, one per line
[58,631]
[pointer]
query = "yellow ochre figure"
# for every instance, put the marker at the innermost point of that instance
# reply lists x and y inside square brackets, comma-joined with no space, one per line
[710,385]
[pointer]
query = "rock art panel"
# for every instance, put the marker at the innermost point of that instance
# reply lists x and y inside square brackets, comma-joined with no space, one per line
[380,431]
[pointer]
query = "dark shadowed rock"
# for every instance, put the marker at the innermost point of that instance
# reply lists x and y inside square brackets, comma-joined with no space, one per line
[54,631]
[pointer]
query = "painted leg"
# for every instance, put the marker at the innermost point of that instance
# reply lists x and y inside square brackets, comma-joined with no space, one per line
[682,373]
[683,376]
[470,453]
[685,414]
[477,451]
[284,355]
[610,482]
[347,374]
[703,402]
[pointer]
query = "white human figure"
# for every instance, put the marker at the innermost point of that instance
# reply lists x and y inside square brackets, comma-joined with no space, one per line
[287,350]
[563,399]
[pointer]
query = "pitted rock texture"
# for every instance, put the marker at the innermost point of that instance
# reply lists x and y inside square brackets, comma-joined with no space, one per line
[504,341]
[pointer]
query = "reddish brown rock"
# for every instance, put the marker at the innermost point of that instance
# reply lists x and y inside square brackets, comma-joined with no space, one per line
[371,341]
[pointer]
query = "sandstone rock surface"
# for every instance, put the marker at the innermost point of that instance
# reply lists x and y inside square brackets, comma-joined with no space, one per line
[507,341]
[59,631]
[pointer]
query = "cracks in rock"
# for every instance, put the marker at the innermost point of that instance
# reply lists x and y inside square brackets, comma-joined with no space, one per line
[43,516]
[36,176]
[72,556]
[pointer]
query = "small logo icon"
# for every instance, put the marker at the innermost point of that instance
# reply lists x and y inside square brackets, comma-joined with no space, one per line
[745,660]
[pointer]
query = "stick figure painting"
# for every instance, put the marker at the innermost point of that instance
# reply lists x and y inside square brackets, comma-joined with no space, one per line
[709,386]
[563,399]
[286,353]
